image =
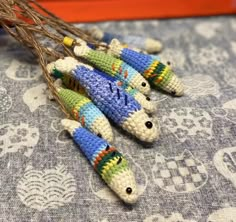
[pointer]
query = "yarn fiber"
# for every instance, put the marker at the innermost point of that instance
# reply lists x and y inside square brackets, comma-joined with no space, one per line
[114,67]
[83,110]
[112,100]
[58,71]
[108,162]
[157,74]
[149,45]
[117,105]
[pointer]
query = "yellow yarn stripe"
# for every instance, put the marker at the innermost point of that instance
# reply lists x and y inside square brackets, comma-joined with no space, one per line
[150,69]
[116,66]
[81,103]
[109,165]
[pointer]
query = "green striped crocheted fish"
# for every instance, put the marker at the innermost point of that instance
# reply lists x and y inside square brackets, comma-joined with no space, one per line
[83,110]
[157,74]
[113,66]
[110,164]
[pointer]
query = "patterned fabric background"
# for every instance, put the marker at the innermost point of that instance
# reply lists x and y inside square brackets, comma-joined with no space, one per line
[44,177]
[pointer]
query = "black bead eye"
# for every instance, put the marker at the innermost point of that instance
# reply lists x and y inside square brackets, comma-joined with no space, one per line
[173,92]
[148,98]
[128,190]
[144,84]
[168,63]
[107,148]
[148,124]
[119,161]
[99,135]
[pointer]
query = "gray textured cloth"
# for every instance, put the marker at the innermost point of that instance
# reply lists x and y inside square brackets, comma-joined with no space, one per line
[189,174]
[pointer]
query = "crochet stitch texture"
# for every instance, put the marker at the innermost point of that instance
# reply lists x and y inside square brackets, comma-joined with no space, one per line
[117,105]
[114,67]
[108,162]
[112,100]
[71,83]
[157,74]
[83,110]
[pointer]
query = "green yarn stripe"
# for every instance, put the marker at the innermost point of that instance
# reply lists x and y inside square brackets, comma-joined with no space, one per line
[107,159]
[131,91]
[103,61]
[167,78]
[71,99]
[57,73]
[123,166]
[159,68]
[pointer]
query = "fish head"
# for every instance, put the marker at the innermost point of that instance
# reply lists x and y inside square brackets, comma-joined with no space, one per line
[145,102]
[140,125]
[120,178]
[138,82]
[174,86]
[124,185]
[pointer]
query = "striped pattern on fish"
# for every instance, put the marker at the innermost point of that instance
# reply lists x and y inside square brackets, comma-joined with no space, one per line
[107,161]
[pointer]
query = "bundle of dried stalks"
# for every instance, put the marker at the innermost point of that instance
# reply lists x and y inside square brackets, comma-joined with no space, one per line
[29,23]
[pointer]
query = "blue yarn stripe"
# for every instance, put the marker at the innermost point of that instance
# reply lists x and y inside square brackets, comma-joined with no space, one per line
[88,142]
[131,72]
[90,113]
[137,60]
[103,74]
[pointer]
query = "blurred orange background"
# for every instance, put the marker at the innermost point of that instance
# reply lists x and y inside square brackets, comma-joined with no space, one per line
[99,10]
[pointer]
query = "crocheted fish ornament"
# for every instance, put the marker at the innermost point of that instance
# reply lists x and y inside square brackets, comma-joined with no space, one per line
[83,110]
[117,105]
[147,44]
[114,102]
[112,66]
[70,82]
[109,163]
[157,74]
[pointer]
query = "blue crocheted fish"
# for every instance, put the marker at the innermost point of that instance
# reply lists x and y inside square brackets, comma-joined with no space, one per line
[116,104]
[71,83]
[108,162]
[157,74]
[83,110]
[133,41]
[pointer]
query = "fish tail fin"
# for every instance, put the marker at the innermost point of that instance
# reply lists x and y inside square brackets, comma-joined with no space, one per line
[115,48]
[82,49]
[70,125]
